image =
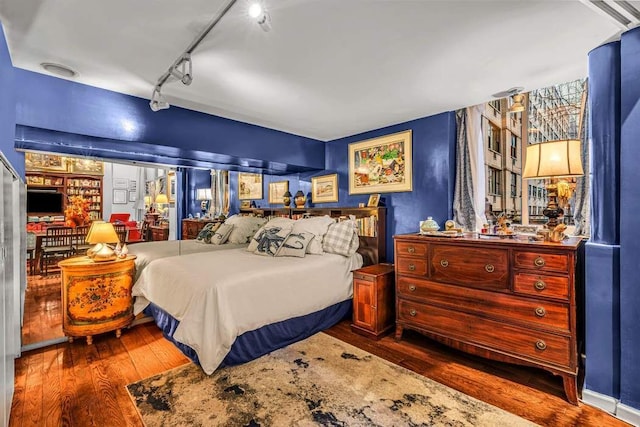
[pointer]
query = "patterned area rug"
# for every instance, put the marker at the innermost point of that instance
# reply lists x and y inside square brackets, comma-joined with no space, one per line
[318,381]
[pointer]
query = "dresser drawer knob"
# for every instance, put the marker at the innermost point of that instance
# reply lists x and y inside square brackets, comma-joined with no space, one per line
[411,249]
[412,267]
[444,263]
[540,311]
[412,313]
[489,268]
[412,288]
[539,285]
[541,345]
[539,262]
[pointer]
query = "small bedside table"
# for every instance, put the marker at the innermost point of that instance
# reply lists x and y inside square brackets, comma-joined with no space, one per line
[373,300]
[96,296]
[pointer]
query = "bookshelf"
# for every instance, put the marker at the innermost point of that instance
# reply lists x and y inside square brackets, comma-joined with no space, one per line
[68,185]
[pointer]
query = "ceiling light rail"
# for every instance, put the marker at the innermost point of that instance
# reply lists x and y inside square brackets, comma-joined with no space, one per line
[182,68]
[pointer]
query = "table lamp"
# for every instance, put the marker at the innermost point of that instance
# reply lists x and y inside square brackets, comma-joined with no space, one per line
[161,199]
[204,195]
[552,160]
[101,233]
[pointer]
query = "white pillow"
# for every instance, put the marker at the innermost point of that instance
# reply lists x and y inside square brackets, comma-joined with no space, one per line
[316,225]
[295,244]
[271,239]
[342,238]
[221,234]
[244,226]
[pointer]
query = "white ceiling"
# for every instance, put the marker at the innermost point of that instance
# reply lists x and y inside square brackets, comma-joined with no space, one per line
[328,68]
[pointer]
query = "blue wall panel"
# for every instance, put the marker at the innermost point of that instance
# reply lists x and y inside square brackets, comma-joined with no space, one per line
[55,104]
[7,108]
[630,218]
[433,167]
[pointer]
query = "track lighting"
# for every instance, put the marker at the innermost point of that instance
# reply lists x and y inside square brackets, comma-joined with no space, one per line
[158,102]
[256,10]
[184,74]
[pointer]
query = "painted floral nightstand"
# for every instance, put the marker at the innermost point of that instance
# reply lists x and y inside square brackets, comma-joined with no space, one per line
[96,296]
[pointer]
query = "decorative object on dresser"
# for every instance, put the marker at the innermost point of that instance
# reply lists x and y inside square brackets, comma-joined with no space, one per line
[503,299]
[191,227]
[96,297]
[373,300]
[299,199]
[287,199]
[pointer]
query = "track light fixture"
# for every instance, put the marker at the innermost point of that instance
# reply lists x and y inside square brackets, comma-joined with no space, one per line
[157,100]
[257,11]
[184,74]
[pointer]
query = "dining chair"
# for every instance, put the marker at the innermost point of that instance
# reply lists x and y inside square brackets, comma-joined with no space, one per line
[121,231]
[56,246]
[80,246]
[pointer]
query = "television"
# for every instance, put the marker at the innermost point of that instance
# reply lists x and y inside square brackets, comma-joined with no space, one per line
[45,202]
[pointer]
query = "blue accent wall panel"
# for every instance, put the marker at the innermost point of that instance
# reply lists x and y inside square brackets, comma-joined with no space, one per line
[602,319]
[7,108]
[630,219]
[604,93]
[56,104]
[433,171]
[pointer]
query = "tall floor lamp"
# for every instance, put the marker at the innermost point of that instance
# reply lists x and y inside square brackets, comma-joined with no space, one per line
[552,160]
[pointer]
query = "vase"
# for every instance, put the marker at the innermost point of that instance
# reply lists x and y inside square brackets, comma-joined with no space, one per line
[429,226]
[300,199]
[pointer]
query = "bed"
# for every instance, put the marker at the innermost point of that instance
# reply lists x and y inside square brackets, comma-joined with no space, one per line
[231,306]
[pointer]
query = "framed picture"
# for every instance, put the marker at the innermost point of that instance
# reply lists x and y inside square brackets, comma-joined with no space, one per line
[277,190]
[44,162]
[119,197]
[245,204]
[374,199]
[133,196]
[171,187]
[249,186]
[324,189]
[88,166]
[381,164]
[120,183]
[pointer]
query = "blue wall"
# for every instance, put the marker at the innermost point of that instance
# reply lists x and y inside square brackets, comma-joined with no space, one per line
[630,219]
[125,123]
[433,174]
[612,285]
[7,108]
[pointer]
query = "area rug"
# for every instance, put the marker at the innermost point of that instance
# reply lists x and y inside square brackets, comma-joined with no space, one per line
[318,381]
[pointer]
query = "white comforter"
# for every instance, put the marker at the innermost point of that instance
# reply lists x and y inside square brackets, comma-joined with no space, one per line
[217,297]
[149,251]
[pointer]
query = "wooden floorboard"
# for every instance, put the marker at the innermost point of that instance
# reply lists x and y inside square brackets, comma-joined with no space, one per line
[73,384]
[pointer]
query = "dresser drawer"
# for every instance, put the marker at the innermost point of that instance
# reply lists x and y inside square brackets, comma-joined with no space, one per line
[470,329]
[411,248]
[528,312]
[541,261]
[541,285]
[479,268]
[411,266]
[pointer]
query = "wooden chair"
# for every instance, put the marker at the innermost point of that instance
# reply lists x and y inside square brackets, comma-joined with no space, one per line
[79,243]
[121,231]
[31,252]
[144,232]
[56,246]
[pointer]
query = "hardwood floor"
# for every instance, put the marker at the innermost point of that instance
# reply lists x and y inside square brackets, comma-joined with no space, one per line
[42,309]
[79,385]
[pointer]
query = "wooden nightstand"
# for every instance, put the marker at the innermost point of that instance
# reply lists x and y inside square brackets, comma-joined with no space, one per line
[96,296]
[159,232]
[191,227]
[373,300]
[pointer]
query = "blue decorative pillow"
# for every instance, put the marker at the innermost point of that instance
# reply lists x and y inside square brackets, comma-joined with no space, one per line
[270,239]
[204,236]
[295,244]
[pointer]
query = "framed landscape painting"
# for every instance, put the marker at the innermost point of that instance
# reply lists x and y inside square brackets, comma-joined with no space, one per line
[324,189]
[381,165]
[249,186]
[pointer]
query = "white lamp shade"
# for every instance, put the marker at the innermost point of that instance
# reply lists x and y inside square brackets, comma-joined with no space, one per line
[203,194]
[553,159]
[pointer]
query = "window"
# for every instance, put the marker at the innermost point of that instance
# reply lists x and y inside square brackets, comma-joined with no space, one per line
[514,184]
[495,186]
[514,146]
[496,106]
[493,138]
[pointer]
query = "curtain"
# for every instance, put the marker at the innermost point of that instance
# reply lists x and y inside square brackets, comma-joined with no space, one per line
[582,209]
[470,190]
[219,193]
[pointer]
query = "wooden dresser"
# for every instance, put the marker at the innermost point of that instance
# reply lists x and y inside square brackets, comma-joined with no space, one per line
[159,232]
[503,299]
[191,227]
[96,296]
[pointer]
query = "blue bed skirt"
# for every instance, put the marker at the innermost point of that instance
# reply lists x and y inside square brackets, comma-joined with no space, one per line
[261,341]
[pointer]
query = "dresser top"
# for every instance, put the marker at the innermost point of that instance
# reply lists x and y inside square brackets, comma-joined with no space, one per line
[570,243]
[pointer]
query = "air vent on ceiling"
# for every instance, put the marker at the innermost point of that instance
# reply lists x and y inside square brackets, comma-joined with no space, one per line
[623,12]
